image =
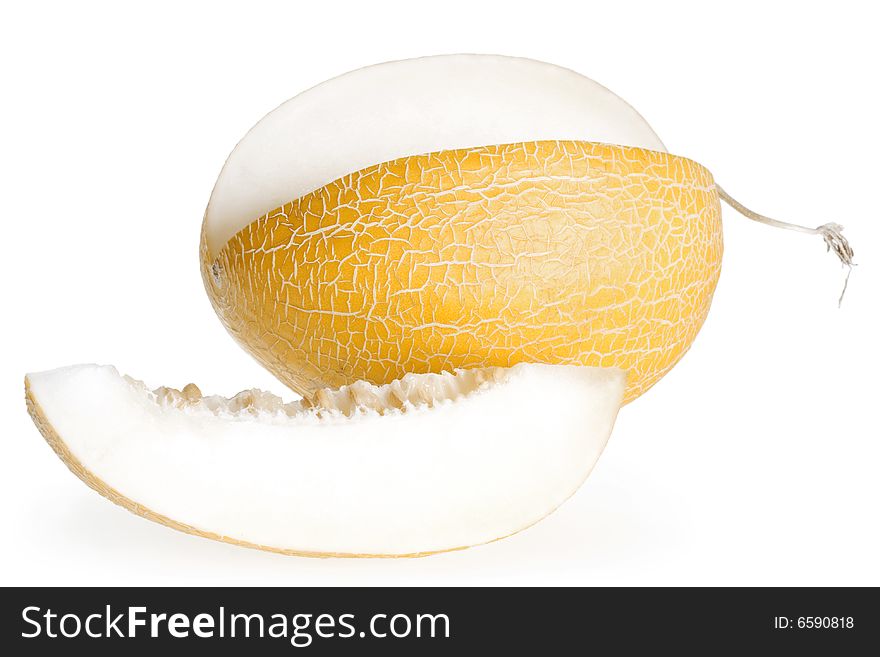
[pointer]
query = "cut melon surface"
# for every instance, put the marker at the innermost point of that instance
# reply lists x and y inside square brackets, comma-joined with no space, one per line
[427,463]
[410,107]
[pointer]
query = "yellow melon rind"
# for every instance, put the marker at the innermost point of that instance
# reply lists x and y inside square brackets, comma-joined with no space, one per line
[564,252]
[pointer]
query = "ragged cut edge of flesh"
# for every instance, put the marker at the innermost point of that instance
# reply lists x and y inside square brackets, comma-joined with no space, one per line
[425,464]
[410,107]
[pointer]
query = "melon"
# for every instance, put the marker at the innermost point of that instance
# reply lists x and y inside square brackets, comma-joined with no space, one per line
[457,212]
[464,264]
[425,464]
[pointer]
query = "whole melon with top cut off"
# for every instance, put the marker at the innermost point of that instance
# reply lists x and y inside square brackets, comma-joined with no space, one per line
[459,211]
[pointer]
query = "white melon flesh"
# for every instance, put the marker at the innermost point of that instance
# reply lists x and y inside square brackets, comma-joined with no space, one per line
[410,107]
[424,464]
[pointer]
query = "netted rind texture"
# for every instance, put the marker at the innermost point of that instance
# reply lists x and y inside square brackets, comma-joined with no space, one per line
[562,252]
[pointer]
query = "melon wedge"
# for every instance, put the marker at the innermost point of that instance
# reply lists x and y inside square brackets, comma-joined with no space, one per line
[427,463]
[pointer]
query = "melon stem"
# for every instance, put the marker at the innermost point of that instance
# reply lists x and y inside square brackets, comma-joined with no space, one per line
[832,233]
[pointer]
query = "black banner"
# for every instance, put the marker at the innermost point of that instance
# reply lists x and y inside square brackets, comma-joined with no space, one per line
[439,621]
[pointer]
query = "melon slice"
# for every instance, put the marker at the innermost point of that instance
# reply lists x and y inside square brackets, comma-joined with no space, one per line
[424,464]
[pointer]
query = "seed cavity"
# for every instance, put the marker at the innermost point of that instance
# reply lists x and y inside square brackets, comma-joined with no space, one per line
[411,392]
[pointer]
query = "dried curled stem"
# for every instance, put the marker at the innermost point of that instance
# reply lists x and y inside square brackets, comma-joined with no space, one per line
[832,233]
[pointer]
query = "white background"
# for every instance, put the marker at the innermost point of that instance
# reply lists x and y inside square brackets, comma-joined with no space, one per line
[755,461]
